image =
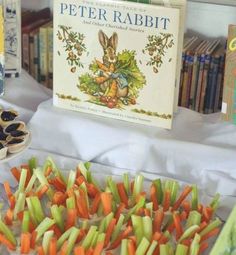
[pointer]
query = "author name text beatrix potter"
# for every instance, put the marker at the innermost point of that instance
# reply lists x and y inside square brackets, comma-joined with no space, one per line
[114,16]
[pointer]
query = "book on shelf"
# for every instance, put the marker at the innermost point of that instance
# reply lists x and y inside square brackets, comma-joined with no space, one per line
[99,69]
[229,92]
[2,54]
[12,27]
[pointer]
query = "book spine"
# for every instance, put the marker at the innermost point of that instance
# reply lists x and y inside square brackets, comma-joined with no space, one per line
[219,82]
[182,76]
[199,84]
[50,57]
[25,51]
[185,82]
[43,62]
[36,56]
[189,84]
[31,49]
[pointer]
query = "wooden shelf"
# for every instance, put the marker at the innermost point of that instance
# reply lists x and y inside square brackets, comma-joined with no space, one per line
[218,2]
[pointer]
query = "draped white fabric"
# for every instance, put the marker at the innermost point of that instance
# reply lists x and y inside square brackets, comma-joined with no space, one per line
[199,149]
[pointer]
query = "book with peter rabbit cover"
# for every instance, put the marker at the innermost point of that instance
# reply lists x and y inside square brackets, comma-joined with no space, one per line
[116,59]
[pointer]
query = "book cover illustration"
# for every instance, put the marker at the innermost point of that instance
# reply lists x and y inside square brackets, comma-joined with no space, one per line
[12,16]
[118,59]
[229,94]
[2,62]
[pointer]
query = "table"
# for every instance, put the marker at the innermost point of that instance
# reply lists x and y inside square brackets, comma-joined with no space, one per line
[199,149]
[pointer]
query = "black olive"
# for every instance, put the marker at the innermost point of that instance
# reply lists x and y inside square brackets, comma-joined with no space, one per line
[17,133]
[3,136]
[12,127]
[1,146]
[1,128]
[8,116]
[15,141]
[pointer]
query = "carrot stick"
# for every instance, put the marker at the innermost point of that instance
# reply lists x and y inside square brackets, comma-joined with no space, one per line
[109,253]
[123,196]
[178,227]
[186,206]
[7,189]
[40,250]
[119,211]
[207,213]
[9,217]
[186,242]
[6,242]
[131,247]
[48,171]
[122,235]
[58,184]
[42,191]
[181,198]
[98,248]
[109,231]
[156,236]
[166,202]
[159,216]
[202,226]
[80,180]
[71,218]
[147,212]
[53,246]
[56,230]
[12,202]
[153,197]
[82,234]
[25,243]
[89,251]
[95,203]
[33,239]
[203,247]
[82,206]
[79,250]
[210,234]
[92,190]
[64,247]
[16,173]
[59,198]
[28,176]
[106,199]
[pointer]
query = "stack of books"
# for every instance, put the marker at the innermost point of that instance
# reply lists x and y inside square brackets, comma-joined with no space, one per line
[37,45]
[201,83]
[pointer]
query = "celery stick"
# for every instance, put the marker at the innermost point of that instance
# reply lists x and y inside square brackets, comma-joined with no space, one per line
[64,237]
[23,176]
[101,237]
[126,183]
[138,185]
[137,223]
[117,228]
[101,227]
[194,197]
[158,186]
[95,239]
[188,232]
[87,165]
[147,227]
[84,188]
[72,239]
[108,219]
[174,192]
[57,216]
[56,170]
[25,222]
[150,207]
[71,179]
[46,240]
[43,180]
[214,224]
[181,250]
[33,163]
[142,247]
[89,237]
[31,210]
[31,183]
[43,227]
[7,232]
[164,249]
[85,224]
[20,205]
[152,248]
[112,185]
[133,210]
[193,219]
[83,170]
[70,203]
[38,210]
[124,247]
[194,247]
[215,202]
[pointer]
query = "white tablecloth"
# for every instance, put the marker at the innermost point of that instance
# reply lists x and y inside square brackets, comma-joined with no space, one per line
[199,149]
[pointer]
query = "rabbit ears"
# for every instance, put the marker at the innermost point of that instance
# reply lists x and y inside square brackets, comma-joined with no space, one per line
[106,42]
